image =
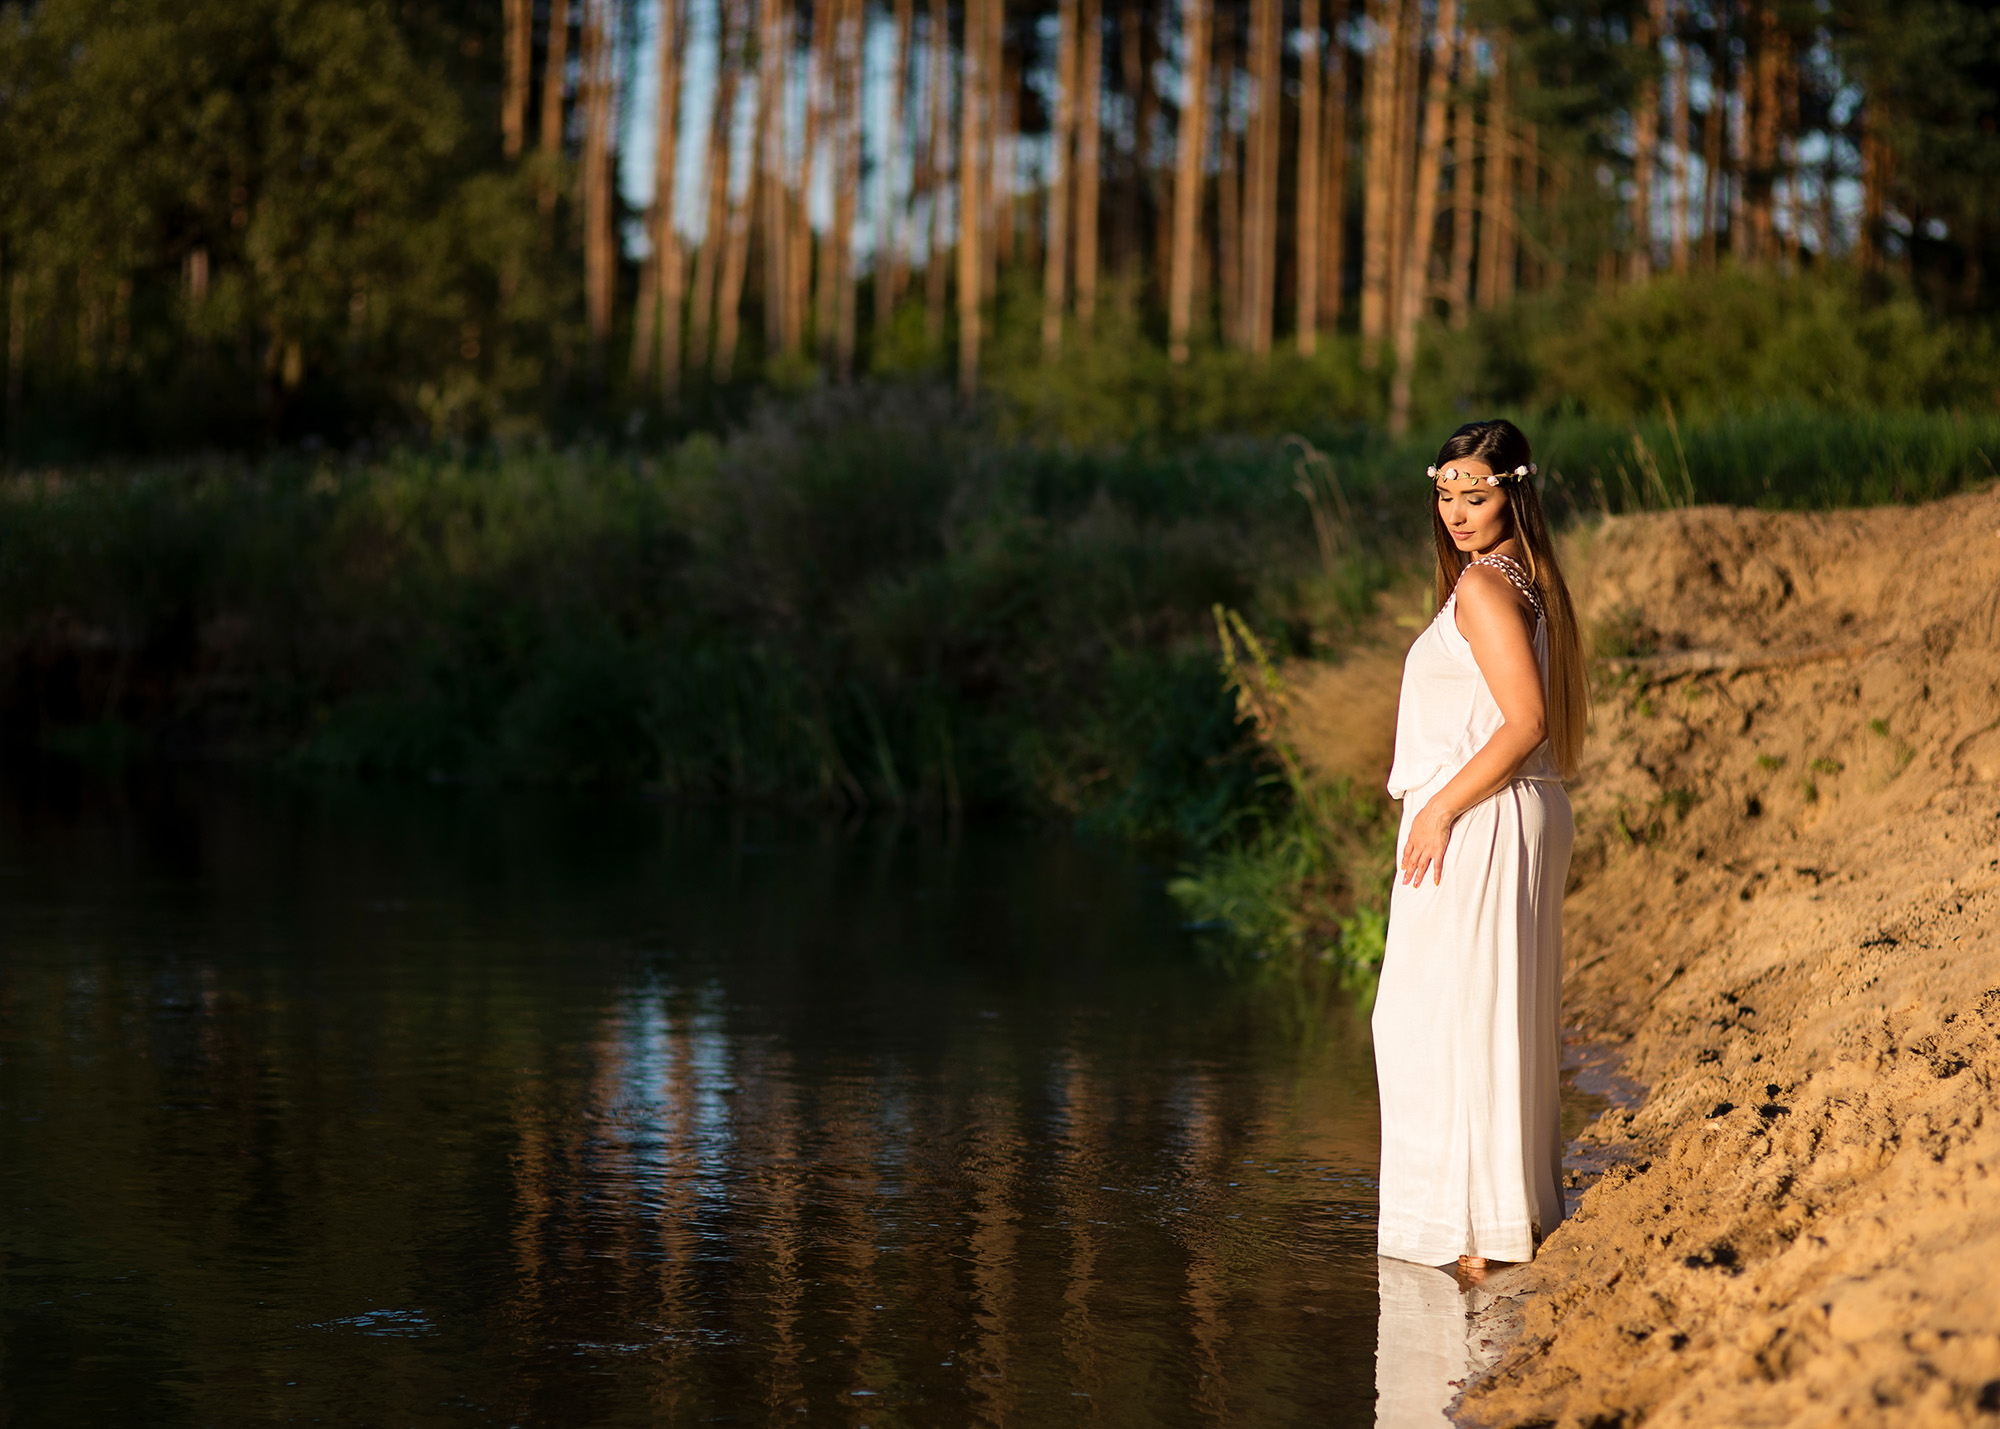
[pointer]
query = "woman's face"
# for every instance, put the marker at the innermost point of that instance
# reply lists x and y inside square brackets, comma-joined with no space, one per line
[1476,515]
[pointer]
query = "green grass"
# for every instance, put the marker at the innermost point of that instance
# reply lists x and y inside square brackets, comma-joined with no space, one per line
[1785,458]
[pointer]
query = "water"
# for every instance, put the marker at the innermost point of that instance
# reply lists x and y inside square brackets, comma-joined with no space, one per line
[440,1108]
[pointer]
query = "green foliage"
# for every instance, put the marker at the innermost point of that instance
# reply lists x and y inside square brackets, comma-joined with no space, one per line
[1745,361]
[233,221]
[856,599]
[1736,340]
[1305,881]
[1781,457]
[1117,388]
[1309,885]
[1930,73]
[251,224]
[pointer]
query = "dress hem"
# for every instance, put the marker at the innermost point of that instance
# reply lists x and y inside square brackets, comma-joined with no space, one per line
[1416,1256]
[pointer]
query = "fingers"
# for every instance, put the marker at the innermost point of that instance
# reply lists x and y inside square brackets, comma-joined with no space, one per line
[1418,861]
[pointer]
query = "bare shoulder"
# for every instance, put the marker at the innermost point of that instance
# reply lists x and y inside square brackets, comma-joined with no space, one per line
[1488,600]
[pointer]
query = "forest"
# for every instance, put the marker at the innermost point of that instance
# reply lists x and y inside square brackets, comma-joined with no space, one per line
[265,222]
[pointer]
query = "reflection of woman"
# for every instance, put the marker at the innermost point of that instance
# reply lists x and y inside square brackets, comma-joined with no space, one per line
[1423,1344]
[1466,1031]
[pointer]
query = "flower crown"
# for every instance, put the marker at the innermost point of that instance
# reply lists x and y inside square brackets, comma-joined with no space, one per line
[1452,473]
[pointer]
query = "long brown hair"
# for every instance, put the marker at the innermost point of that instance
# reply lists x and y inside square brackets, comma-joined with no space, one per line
[1503,447]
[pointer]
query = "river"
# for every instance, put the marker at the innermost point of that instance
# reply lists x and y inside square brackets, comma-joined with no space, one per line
[366,1106]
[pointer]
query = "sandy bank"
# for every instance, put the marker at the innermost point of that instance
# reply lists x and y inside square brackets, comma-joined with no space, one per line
[1785,913]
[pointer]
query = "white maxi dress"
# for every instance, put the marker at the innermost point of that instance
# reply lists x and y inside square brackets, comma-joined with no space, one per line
[1466,1026]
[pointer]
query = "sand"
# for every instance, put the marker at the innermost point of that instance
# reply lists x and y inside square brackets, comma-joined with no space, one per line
[1784,914]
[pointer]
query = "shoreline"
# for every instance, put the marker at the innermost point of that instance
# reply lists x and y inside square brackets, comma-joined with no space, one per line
[1497,1320]
[1785,918]
[1783,924]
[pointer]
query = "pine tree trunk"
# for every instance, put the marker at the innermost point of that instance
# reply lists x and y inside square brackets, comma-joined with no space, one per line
[922,168]
[1333,187]
[1496,225]
[798,201]
[762,206]
[520,63]
[1715,126]
[1742,239]
[1306,199]
[667,240]
[823,136]
[1190,133]
[1261,205]
[774,197]
[673,271]
[1462,139]
[555,77]
[555,80]
[1677,111]
[1380,105]
[659,290]
[1055,251]
[1132,190]
[1415,295]
[1000,166]
[1249,155]
[645,311]
[1646,141]
[715,220]
[1764,140]
[1089,152]
[1228,184]
[599,253]
[1785,149]
[849,104]
[938,145]
[972,89]
[1403,171]
[994,146]
[801,243]
[1159,187]
[736,256]
[892,218]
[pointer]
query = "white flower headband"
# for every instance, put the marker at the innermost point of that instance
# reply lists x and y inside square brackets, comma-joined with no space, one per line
[1452,473]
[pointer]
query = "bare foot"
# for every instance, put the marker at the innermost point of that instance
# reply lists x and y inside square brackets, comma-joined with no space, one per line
[1473,1269]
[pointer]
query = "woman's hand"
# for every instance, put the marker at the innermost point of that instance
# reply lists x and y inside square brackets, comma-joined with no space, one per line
[1430,832]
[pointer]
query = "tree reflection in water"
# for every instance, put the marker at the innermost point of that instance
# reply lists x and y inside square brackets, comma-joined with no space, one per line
[453,1108]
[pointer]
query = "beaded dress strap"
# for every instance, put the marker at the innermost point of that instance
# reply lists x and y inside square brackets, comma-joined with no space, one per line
[1515,574]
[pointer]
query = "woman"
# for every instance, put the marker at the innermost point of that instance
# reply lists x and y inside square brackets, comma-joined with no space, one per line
[1466,1032]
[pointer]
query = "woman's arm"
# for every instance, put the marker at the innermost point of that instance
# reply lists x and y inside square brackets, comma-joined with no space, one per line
[1499,626]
